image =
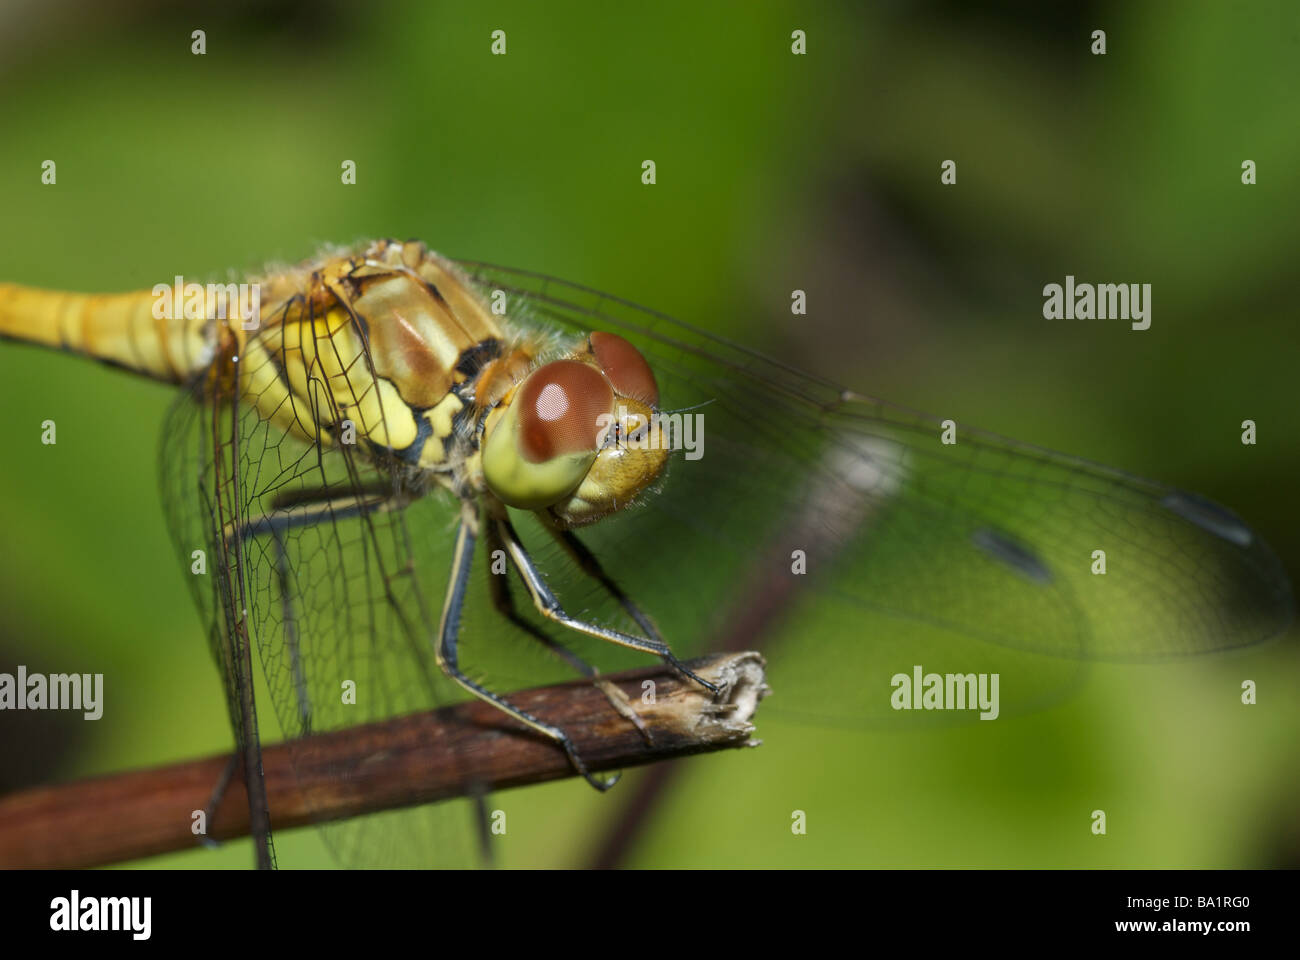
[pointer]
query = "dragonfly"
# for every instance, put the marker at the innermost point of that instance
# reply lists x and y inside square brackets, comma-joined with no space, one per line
[372,450]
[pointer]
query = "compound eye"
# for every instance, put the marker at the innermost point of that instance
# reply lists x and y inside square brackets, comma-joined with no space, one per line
[625,367]
[560,410]
[545,439]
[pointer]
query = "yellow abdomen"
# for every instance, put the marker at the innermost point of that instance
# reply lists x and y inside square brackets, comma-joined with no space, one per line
[117,328]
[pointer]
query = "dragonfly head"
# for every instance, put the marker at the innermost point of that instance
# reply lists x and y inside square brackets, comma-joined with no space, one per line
[577,437]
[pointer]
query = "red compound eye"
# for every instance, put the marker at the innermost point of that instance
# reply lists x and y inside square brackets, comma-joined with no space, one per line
[560,405]
[626,369]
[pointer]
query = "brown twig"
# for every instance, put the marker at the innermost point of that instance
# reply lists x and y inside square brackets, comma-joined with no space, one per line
[456,751]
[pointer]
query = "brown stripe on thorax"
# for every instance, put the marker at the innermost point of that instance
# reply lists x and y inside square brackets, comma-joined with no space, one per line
[418,315]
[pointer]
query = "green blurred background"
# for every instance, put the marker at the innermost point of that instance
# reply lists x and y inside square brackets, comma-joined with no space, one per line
[775,172]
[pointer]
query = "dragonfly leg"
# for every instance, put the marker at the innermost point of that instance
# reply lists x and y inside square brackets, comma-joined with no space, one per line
[448,633]
[499,588]
[483,824]
[218,794]
[306,508]
[587,562]
[548,606]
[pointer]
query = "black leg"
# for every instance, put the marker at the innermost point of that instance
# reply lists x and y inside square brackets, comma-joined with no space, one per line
[499,588]
[549,607]
[483,824]
[214,801]
[589,565]
[448,632]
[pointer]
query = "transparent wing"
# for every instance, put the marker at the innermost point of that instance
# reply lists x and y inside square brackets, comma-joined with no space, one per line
[190,484]
[337,595]
[200,495]
[977,555]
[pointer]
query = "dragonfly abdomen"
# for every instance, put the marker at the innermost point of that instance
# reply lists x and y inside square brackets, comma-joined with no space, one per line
[121,329]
